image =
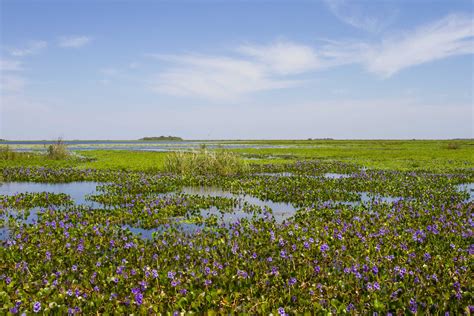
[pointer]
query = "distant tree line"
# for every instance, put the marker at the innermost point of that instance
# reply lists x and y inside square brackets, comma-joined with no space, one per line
[161,138]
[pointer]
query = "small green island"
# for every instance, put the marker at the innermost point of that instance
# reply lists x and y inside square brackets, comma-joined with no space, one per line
[161,138]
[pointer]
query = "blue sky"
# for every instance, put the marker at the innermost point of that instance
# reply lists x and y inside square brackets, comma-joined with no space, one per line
[236,69]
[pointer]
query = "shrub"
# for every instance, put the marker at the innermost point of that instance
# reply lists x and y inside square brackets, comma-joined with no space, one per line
[203,162]
[453,146]
[58,150]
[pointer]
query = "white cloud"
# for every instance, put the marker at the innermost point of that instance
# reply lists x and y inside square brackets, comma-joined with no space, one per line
[450,36]
[277,65]
[371,16]
[31,48]
[74,41]
[9,65]
[11,83]
[284,57]
[215,77]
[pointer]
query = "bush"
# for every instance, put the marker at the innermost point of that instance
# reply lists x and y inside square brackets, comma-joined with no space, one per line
[58,150]
[453,146]
[204,162]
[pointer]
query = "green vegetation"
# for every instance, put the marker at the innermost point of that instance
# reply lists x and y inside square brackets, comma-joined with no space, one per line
[58,150]
[205,162]
[7,154]
[396,242]
[162,138]
[379,154]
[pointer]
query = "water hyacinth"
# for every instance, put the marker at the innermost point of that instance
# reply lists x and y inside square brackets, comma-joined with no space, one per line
[149,247]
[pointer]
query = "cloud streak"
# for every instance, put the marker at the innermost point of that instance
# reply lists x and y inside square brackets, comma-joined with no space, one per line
[219,77]
[74,41]
[31,48]
[253,68]
[11,84]
[370,16]
[450,36]
[10,65]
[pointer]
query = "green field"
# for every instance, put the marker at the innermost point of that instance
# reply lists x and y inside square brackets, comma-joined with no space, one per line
[377,154]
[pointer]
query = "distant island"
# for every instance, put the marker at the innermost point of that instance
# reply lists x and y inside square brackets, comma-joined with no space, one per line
[161,138]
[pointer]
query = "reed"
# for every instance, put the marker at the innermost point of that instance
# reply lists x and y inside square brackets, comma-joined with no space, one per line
[205,162]
[58,150]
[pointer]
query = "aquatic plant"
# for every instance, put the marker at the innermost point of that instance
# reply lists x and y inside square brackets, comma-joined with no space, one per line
[204,161]
[342,249]
[7,154]
[58,150]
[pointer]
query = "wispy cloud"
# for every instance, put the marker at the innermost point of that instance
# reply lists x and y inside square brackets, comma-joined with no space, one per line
[74,41]
[371,16]
[450,36]
[283,58]
[223,77]
[9,65]
[31,48]
[11,83]
[277,65]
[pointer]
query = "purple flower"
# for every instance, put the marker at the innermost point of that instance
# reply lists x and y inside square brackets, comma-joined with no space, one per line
[413,306]
[274,270]
[281,311]
[292,281]
[350,307]
[174,283]
[139,298]
[242,274]
[36,307]
[324,247]
[427,256]
[207,282]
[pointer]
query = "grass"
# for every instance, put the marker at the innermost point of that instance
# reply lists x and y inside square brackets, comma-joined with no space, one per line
[378,154]
[204,162]
[7,154]
[58,150]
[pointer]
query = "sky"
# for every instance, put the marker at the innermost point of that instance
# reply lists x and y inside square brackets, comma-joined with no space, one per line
[83,69]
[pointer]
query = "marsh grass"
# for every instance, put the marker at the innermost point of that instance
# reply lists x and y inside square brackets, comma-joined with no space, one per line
[58,150]
[205,162]
[7,154]
[453,146]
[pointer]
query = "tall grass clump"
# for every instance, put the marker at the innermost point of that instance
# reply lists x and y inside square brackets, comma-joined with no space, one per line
[58,150]
[205,162]
[7,154]
[453,146]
